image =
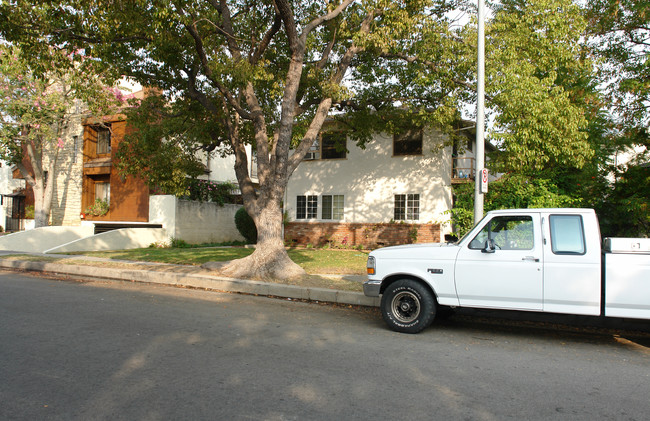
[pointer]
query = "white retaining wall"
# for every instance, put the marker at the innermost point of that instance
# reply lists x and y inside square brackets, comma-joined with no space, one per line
[39,240]
[194,222]
[120,239]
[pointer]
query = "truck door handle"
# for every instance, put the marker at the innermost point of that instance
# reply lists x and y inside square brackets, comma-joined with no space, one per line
[530,258]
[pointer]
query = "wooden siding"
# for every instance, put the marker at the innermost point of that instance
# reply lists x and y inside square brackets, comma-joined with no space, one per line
[129,196]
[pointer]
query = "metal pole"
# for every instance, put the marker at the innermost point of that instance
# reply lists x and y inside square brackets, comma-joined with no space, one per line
[480,115]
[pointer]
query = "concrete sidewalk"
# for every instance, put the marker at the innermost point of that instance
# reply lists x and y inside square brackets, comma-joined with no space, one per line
[184,276]
[197,277]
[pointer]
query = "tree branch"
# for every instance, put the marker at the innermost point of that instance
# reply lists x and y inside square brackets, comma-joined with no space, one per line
[283,9]
[266,41]
[433,66]
[329,16]
[198,46]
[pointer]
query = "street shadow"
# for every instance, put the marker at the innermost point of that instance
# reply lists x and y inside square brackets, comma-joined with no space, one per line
[559,327]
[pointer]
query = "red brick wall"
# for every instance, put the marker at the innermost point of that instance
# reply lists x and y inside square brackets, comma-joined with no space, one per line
[355,234]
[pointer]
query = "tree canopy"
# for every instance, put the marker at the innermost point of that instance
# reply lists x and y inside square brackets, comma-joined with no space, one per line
[36,107]
[269,74]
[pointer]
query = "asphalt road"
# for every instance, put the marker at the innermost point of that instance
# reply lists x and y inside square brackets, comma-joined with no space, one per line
[108,351]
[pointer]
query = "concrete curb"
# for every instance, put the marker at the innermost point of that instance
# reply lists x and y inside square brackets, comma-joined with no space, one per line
[201,281]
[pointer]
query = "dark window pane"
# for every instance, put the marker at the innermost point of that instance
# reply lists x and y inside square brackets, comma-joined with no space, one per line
[334,145]
[327,207]
[408,143]
[301,207]
[103,141]
[400,207]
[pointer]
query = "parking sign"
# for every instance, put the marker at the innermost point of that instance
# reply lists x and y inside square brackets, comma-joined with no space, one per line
[484,180]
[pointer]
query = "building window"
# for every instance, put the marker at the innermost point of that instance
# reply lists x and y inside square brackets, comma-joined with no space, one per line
[333,207]
[407,143]
[333,145]
[103,141]
[314,152]
[103,191]
[407,207]
[307,207]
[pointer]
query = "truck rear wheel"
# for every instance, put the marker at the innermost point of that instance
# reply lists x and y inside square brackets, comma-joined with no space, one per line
[408,306]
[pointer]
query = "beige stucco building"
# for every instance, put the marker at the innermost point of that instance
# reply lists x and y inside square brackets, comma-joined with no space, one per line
[397,189]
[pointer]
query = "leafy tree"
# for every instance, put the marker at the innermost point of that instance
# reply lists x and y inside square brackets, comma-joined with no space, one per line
[36,110]
[619,34]
[536,59]
[167,141]
[619,31]
[512,191]
[626,211]
[269,73]
[266,74]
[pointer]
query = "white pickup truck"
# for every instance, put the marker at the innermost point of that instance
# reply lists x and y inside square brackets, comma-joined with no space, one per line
[548,260]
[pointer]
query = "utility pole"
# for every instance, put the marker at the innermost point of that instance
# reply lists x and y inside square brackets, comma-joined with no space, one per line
[480,116]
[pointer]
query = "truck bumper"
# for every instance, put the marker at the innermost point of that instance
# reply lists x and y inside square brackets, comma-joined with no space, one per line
[371,288]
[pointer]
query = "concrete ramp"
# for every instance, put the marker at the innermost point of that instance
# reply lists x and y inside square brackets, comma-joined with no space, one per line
[39,240]
[119,239]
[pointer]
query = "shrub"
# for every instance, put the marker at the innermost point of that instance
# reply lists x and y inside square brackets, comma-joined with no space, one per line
[29,212]
[512,191]
[160,245]
[178,243]
[99,208]
[246,226]
[210,191]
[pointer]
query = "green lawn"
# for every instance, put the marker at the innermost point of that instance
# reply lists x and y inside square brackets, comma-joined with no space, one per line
[314,261]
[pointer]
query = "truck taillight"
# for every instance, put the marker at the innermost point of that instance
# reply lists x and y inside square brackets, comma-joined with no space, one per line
[370,266]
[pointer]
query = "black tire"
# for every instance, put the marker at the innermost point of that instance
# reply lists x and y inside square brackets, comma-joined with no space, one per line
[408,306]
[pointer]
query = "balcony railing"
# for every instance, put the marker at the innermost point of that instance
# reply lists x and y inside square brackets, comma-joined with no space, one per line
[462,170]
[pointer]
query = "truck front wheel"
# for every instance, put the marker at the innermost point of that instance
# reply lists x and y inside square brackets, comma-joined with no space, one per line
[408,306]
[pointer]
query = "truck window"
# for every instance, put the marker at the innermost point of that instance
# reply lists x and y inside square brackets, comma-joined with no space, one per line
[567,234]
[508,233]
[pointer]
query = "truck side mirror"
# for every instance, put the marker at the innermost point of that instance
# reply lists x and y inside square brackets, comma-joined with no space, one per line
[489,246]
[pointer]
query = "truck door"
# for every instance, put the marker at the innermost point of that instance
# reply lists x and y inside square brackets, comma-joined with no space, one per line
[501,266]
[572,262]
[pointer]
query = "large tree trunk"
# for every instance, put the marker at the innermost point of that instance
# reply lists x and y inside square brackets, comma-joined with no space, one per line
[276,160]
[270,259]
[41,215]
[42,188]
[43,202]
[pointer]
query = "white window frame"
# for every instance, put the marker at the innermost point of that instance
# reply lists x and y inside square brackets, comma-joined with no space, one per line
[411,203]
[310,207]
[334,205]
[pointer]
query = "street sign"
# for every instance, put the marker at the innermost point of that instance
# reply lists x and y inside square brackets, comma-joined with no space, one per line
[484,180]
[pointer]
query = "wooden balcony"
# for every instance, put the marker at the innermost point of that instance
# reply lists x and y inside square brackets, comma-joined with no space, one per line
[462,170]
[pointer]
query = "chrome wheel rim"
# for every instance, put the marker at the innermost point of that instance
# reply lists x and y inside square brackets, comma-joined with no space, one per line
[405,306]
